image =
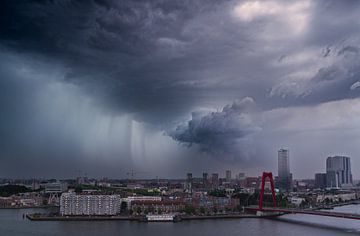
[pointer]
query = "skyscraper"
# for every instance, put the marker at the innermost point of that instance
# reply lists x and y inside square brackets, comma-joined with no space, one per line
[205,180]
[189,181]
[285,177]
[338,172]
[215,180]
[320,180]
[228,175]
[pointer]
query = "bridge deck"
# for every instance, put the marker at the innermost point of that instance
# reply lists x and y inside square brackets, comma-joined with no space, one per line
[307,212]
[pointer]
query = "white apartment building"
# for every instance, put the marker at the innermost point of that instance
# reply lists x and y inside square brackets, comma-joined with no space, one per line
[86,204]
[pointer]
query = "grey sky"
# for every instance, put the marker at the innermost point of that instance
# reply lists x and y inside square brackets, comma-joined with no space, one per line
[169,87]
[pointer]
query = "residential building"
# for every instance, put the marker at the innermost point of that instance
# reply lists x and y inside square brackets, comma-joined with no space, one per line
[85,204]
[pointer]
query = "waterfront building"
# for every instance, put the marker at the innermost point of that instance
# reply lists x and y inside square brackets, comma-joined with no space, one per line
[130,200]
[284,175]
[85,204]
[338,172]
[163,206]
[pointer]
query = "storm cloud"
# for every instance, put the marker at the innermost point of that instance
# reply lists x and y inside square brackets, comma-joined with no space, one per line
[218,132]
[119,84]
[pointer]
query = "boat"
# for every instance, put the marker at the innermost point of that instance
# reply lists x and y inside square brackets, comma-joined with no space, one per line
[160,218]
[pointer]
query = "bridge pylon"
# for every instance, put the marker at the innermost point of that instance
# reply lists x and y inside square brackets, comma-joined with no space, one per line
[263,179]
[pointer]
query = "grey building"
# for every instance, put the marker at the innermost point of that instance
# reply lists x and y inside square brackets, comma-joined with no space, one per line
[338,172]
[320,180]
[284,175]
[228,176]
[189,182]
[215,180]
[205,180]
[55,187]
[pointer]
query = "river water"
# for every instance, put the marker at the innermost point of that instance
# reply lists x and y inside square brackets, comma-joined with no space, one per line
[12,223]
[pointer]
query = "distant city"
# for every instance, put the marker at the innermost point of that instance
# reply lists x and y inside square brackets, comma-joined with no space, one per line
[209,194]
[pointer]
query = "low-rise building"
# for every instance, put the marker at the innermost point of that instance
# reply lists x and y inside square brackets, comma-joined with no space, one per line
[164,206]
[55,187]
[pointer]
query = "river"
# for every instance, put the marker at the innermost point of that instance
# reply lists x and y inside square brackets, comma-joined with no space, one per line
[12,223]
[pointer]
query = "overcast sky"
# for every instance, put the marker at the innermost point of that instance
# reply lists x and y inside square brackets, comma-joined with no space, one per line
[170,87]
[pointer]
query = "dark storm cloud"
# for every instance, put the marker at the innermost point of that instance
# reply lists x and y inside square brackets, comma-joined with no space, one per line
[148,57]
[158,61]
[126,51]
[218,132]
[330,83]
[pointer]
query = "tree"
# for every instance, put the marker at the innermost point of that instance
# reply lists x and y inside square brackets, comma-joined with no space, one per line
[189,210]
[215,210]
[138,210]
[45,202]
[78,189]
[123,206]
[151,209]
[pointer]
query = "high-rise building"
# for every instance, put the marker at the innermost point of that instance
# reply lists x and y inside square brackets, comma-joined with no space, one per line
[285,177]
[189,182]
[320,180]
[228,176]
[338,172]
[205,180]
[215,179]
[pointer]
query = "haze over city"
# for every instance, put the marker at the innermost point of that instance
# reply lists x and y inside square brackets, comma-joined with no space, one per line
[170,87]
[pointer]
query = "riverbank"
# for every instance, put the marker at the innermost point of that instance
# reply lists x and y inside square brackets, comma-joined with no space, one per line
[30,207]
[235,216]
[37,217]
[339,204]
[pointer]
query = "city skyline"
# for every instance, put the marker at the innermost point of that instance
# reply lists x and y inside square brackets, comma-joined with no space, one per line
[172,87]
[336,174]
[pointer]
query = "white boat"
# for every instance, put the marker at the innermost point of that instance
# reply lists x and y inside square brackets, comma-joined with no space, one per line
[163,217]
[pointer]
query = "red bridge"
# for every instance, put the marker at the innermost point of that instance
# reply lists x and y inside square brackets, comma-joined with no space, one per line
[276,209]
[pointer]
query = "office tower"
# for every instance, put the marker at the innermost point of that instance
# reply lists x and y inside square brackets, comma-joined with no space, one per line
[215,179]
[285,177]
[320,180]
[338,172]
[228,176]
[189,181]
[205,179]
